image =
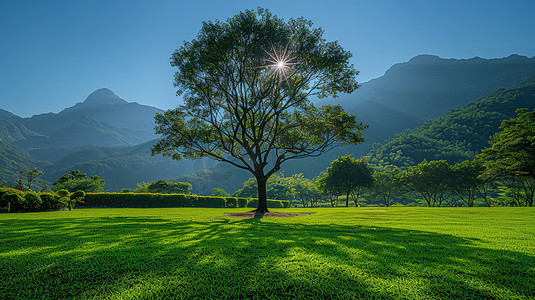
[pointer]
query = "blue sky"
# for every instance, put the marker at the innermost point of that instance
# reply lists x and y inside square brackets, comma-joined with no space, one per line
[55,53]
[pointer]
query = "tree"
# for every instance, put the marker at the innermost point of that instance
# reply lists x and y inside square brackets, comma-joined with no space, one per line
[512,153]
[467,183]
[304,189]
[164,187]
[219,192]
[347,175]
[430,180]
[388,185]
[31,175]
[76,180]
[247,85]
[72,175]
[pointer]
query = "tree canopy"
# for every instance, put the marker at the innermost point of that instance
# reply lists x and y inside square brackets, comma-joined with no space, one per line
[348,175]
[512,153]
[246,85]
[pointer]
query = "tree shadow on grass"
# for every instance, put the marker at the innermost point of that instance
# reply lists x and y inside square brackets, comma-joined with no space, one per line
[148,258]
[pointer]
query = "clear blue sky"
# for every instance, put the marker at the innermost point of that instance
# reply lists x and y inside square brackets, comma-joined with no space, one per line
[55,53]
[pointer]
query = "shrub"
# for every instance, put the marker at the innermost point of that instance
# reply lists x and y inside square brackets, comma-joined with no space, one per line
[213,202]
[270,203]
[63,193]
[13,200]
[242,202]
[78,196]
[32,200]
[50,200]
[231,201]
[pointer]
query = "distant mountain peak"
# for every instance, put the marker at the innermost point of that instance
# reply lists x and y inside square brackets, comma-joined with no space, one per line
[103,96]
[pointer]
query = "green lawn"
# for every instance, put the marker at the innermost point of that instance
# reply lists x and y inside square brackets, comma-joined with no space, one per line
[342,253]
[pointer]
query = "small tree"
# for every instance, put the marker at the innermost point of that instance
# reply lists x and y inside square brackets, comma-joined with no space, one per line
[31,175]
[388,185]
[219,192]
[347,175]
[247,85]
[430,180]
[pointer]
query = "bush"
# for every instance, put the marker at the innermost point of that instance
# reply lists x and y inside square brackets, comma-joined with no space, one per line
[231,202]
[50,200]
[242,202]
[32,200]
[270,203]
[13,200]
[78,196]
[213,202]
[63,193]
[152,200]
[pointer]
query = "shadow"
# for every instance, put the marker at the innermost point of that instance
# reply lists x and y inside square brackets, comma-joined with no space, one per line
[157,258]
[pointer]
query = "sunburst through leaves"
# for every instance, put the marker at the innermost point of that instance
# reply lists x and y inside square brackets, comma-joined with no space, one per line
[280,62]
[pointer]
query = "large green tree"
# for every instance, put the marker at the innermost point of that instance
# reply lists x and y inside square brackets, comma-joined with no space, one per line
[347,175]
[512,154]
[246,85]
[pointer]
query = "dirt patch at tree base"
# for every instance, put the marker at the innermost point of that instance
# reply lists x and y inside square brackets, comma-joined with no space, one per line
[252,214]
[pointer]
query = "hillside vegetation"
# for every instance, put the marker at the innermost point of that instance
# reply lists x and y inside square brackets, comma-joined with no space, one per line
[458,135]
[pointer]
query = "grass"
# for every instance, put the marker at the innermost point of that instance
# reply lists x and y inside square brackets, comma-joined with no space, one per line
[342,253]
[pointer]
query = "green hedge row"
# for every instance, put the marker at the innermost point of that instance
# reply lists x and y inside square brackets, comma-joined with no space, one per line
[13,200]
[171,200]
[270,203]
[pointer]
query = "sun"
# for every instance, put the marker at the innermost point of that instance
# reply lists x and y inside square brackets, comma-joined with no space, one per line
[280,63]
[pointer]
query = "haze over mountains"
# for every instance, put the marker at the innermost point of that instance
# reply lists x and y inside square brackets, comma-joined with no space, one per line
[111,137]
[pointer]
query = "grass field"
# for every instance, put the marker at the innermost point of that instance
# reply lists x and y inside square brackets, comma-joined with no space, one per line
[338,253]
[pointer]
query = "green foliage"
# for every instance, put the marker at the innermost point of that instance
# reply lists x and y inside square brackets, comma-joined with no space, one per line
[32,201]
[388,185]
[170,200]
[78,196]
[63,193]
[458,135]
[512,154]
[430,180]
[12,199]
[72,175]
[304,190]
[270,203]
[76,180]
[14,159]
[238,108]
[219,192]
[347,175]
[163,187]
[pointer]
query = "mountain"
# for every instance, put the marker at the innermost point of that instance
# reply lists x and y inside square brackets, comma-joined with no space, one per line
[6,115]
[13,160]
[428,86]
[121,167]
[458,135]
[102,119]
[15,131]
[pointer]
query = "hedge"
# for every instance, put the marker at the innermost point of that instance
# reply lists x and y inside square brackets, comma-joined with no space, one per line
[171,200]
[270,203]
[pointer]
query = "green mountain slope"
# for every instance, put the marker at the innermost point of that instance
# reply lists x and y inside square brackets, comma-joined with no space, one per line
[13,160]
[459,134]
[121,167]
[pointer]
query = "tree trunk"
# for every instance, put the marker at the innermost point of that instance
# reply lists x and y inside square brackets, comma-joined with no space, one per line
[347,198]
[262,195]
[8,206]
